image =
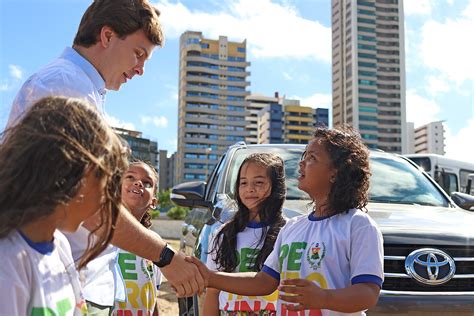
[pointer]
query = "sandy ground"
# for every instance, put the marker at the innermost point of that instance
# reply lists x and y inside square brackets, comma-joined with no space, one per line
[167,301]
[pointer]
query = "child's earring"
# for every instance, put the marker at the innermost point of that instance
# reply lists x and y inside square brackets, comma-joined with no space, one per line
[332,180]
[80,198]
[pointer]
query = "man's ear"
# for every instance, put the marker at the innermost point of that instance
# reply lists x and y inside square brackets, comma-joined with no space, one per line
[106,35]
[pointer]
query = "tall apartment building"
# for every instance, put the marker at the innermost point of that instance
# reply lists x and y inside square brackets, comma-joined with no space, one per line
[298,122]
[368,70]
[211,111]
[270,124]
[288,122]
[141,147]
[429,138]
[254,104]
[165,171]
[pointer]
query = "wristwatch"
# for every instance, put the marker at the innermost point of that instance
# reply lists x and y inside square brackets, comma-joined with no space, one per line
[166,256]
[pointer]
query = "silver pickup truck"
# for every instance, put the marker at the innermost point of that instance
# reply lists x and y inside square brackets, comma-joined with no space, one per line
[428,239]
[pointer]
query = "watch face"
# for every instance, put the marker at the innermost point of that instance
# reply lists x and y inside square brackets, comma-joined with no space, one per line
[165,257]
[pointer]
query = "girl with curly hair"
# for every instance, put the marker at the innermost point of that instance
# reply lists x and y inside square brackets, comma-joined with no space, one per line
[245,242]
[329,262]
[141,277]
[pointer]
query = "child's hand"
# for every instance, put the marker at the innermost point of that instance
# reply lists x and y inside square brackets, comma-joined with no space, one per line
[303,293]
[203,270]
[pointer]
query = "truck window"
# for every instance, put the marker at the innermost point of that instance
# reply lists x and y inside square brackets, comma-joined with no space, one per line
[423,162]
[463,178]
[450,182]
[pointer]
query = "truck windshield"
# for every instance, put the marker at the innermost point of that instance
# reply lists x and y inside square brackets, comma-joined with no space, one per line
[394,180]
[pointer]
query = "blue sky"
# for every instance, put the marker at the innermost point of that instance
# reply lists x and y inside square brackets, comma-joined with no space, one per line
[288,46]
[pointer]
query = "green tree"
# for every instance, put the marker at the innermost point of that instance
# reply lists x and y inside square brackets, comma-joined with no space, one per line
[177,212]
[164,201]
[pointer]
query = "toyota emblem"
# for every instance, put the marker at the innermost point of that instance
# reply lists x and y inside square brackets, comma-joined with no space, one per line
[430,266]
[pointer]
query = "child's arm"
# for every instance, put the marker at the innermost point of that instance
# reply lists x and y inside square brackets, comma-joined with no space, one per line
[211,302]
[304,294]
[242,283]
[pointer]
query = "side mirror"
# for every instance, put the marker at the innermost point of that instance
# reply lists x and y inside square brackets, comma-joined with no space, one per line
[190,194]
[463,200]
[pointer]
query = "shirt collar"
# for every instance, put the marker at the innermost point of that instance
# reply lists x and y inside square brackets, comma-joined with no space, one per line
[73,56]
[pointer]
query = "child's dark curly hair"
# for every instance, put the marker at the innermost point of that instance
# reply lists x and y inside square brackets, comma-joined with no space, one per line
[350,158]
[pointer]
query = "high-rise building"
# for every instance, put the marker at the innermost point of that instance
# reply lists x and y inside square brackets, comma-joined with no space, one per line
[286,121]
[141,147]
[165,172]
[298,123]
[429,138]
[254,104]
[211,114]
[368,70]
[270,124]
[321,117]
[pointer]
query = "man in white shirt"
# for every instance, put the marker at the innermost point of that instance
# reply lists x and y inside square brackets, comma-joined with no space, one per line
[114,40]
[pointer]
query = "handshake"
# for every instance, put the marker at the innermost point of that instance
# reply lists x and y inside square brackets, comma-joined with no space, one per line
[187,275]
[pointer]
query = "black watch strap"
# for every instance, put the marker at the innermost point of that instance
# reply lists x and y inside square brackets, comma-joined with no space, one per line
[166,256]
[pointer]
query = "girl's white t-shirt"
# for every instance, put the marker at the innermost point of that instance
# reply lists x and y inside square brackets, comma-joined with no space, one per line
[333,252]
[39,278]
[142,280]
[248,245]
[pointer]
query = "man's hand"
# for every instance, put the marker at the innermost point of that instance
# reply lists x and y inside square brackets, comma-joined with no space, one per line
[183,276]
[203,269]
[302,293]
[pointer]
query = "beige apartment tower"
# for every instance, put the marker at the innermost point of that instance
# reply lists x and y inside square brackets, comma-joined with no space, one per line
[211,112]
[368,70]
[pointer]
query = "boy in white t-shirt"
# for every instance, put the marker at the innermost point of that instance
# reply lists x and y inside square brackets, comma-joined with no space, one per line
[330,262]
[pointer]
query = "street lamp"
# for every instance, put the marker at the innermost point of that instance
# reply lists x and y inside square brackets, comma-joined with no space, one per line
[208,151]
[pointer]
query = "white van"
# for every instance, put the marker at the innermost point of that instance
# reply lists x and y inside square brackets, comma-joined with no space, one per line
[451,174]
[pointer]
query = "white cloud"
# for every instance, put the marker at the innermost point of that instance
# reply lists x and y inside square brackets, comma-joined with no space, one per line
[4,86]
[15,75]
[173,89]
[420,110]
[457,145]
[271,29]
[158,121]
[115,122]
[436,85]
[317,100]
[15,72]
[287,76]
[445,46]
[421,7]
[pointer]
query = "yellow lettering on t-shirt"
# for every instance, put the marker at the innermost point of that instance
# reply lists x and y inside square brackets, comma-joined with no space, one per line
[133,293]
[148,295]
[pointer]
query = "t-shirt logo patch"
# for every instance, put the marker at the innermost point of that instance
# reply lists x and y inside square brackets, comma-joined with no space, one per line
[315,254]
[147,268]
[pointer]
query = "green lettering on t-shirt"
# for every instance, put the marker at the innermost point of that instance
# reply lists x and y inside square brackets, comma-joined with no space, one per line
[42,311]
[247,258]
[295,255]
[127,266]
[283,254]
[63,306]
